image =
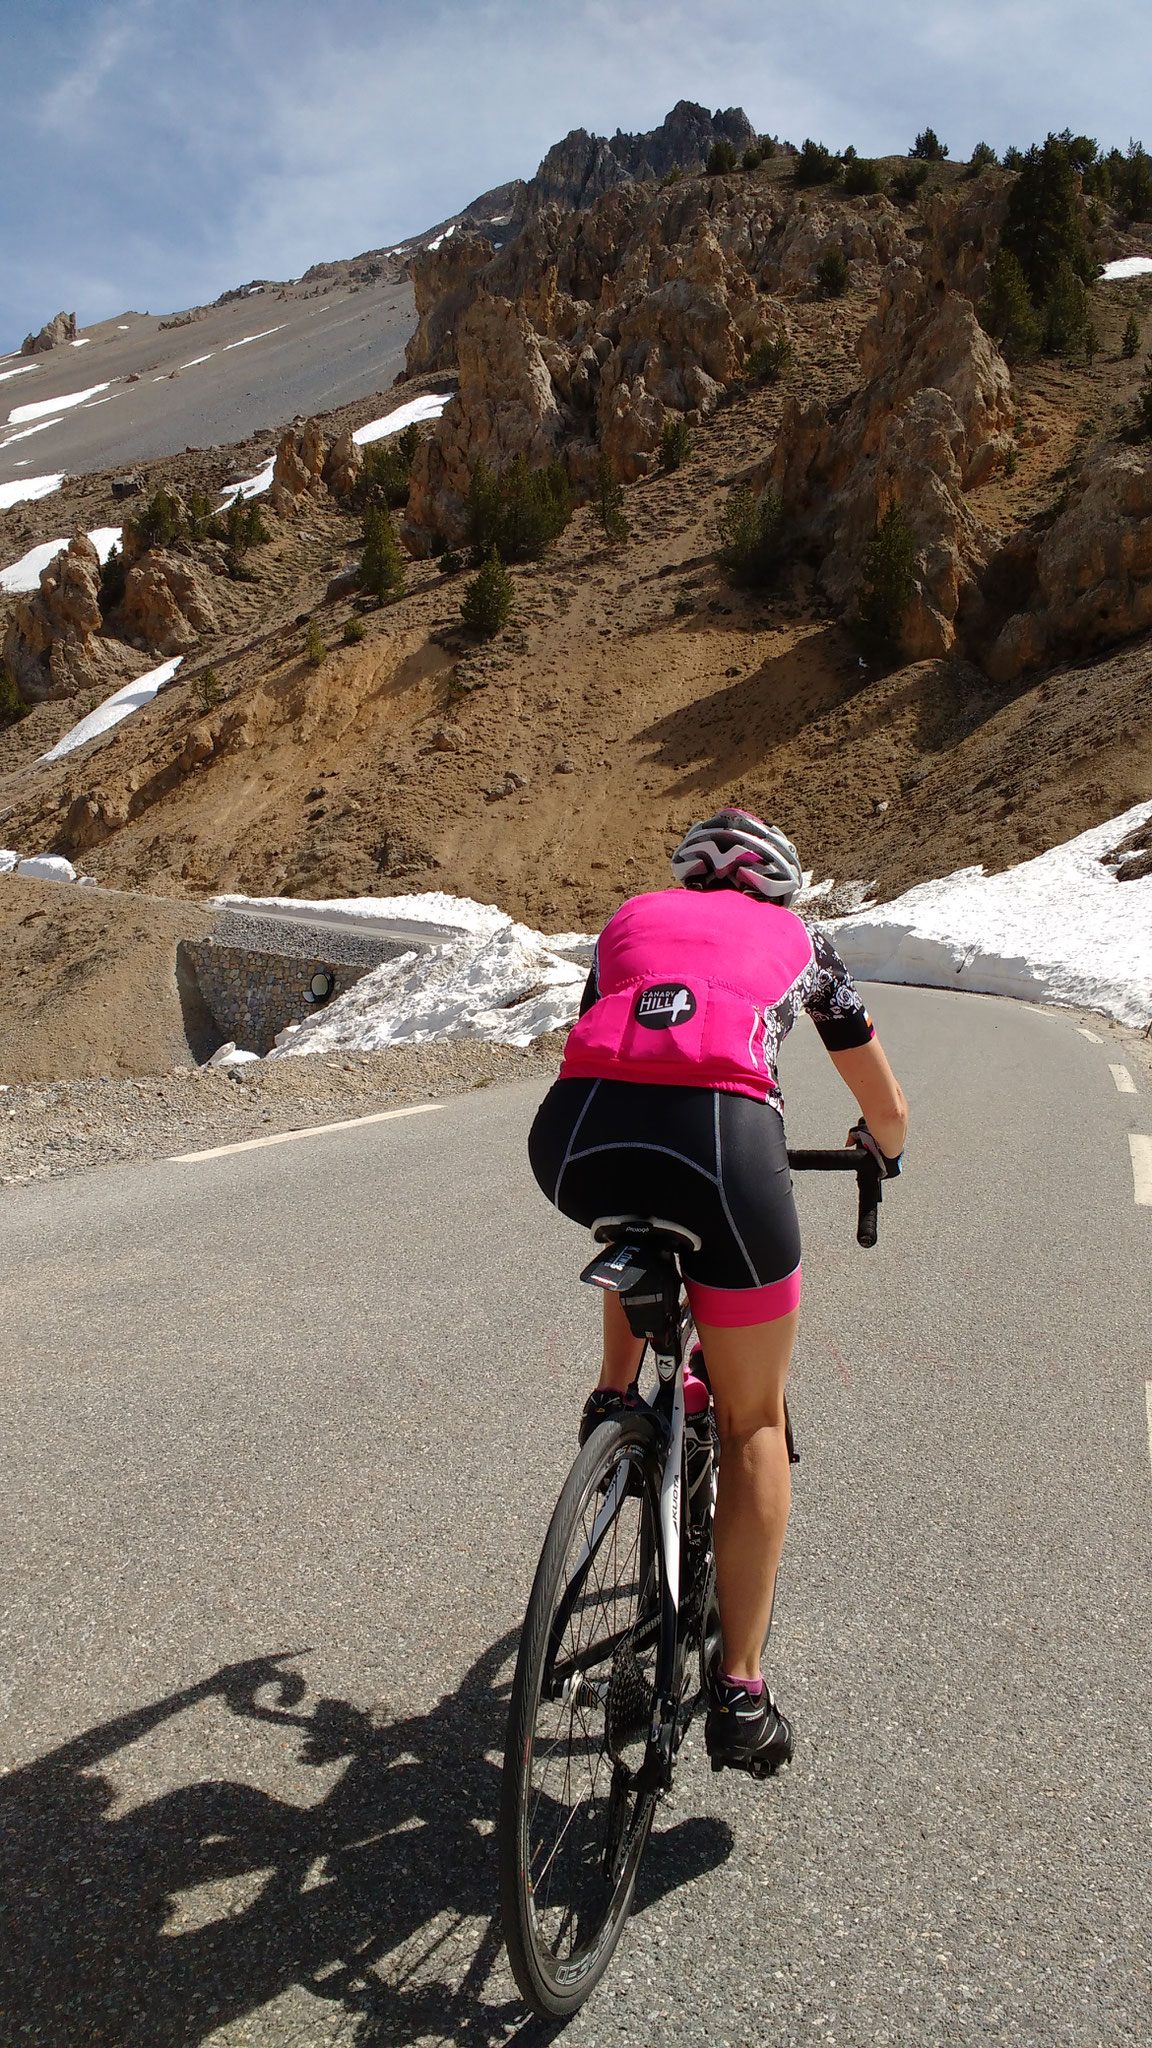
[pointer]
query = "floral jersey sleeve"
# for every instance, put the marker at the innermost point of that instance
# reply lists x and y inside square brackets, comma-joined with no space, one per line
[832,998]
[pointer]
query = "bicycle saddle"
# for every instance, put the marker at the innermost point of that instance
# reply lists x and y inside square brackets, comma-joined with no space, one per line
[640,1266]
[647,1232]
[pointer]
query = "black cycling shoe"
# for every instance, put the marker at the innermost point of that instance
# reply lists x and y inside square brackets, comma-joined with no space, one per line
[604,1404]
[745,1732]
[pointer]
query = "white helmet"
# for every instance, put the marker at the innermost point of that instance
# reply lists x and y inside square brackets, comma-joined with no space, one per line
[737,850]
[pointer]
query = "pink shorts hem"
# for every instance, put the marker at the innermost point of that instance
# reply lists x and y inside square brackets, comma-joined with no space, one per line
[737,1308]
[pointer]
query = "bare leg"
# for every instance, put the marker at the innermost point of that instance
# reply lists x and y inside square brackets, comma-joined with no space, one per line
[622,1351]
[748,1369]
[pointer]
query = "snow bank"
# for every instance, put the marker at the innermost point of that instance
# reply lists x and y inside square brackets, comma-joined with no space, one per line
[1126,266]
[25,574]
[1057,929]
[507,985]
[428,406]
[36,411]
[46,867]
[121,705]
[28,487]
[251,486]
[21,370]
[8,860]
[433,907]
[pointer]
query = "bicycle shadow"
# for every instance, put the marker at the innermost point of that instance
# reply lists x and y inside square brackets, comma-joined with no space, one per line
[380,1897]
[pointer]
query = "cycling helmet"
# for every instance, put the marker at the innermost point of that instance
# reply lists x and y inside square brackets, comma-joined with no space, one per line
[735,850]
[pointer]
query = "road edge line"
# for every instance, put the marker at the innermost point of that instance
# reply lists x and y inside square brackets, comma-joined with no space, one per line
[352,1123]
[1141,1149]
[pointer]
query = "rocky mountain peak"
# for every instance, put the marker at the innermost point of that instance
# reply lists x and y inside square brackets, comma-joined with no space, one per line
[578,170]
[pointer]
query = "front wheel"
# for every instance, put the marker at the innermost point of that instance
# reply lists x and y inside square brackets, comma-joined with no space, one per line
[573,1820]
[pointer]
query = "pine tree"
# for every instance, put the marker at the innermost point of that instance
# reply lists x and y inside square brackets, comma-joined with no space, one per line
[1065,312]
[1045,222]
[609,503]
[486,606]
[1006,308]
[1130,345]
[887,585]
[928,147]
[381,565]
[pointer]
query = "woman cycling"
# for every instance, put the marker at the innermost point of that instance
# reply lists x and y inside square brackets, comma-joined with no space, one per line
[668,1104]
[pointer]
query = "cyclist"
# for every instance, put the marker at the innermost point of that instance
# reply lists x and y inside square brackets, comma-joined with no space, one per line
[667,1104]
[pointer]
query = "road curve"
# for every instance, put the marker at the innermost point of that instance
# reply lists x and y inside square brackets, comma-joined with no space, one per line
[318,1399]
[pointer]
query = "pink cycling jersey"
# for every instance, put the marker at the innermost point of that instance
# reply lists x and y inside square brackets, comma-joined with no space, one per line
[699,988]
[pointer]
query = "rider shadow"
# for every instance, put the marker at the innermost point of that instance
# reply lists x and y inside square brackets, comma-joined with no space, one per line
[380,1897]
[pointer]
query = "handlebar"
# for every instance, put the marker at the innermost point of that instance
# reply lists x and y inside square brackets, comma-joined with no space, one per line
[852,1159]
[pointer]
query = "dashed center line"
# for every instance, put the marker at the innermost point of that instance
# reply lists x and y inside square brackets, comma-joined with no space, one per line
[1125,1085]
[1148,1406]
[1093,1037]
[352,1123]
[1141,1150]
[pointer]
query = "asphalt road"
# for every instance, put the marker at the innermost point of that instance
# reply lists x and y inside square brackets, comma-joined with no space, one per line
[250,365]
[318,1398]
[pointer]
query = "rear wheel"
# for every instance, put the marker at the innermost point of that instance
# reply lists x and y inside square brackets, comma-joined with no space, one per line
[573,1822]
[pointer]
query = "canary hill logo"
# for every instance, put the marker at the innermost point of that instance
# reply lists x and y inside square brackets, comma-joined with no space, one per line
[669,1003]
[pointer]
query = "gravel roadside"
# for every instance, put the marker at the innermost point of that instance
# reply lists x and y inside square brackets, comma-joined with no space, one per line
[54,1129]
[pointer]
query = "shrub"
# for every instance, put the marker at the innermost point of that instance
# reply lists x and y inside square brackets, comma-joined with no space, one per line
[1130,343]
[906,183]
[1065,312]
[381,565]
[12,708]
[887,585]
[770,360]
[353,632]
[816,165]
[314,649]
[112,580]
[861,174]
[721,159]
[1006,309]
[751,159]
[450,562]
[608,499]
[928,147]
[832,273]
[243,528]
[671,177]
[1045,222]
[486,606]
[682,606]
[1012,460]
[1091,340]
[519,513]
[981,159]
[675,443]
[209,689]
[161,522]
[751,546]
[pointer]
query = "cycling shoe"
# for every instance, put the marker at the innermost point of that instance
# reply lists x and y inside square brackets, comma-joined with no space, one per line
[745,1731]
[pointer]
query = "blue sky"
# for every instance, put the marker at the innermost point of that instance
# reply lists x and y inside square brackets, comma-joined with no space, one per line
[155,152]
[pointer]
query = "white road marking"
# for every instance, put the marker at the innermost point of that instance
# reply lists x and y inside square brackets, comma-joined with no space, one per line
[1125,1085]
[1141,1150]
[1091,1036]
[351,1123]
[1148,1405]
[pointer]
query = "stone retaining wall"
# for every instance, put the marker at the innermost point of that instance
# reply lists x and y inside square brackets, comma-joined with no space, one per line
[251,996]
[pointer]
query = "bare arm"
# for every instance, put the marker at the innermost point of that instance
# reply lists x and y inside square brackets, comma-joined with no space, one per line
[866,1071]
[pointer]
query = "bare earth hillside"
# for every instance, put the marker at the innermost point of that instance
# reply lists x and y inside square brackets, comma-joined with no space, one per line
[552,769]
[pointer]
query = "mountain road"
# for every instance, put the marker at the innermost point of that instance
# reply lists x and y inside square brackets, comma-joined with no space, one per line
[281,1431]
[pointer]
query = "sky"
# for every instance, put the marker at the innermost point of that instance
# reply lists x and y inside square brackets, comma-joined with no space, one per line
[154,153]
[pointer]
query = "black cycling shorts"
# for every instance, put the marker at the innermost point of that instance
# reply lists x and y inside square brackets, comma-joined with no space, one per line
[705,1158]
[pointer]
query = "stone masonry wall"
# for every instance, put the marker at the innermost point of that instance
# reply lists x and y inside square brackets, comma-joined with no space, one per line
[254,995]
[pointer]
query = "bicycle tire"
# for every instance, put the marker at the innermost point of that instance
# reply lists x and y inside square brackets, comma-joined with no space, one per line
[563,1915]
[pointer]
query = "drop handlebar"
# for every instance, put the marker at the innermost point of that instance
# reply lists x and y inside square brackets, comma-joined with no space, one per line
[853,1159]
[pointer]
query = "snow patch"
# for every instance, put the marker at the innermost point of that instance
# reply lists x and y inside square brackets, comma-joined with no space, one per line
[1126,266]
[122,704]
[25,574]
[198,359]
[230,1055]
[82,341]
[21,370]
[433,907]
[1056,929]
[8,860]
[20,413]
[251,486]
[28,487]
[26,433]
[428,407]
[262,336]
[443,237]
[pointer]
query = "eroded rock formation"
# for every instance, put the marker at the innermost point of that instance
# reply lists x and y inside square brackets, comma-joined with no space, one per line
[1089,578]
[52,335]
[51,646]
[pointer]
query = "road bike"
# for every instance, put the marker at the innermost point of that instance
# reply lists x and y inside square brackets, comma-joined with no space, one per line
[622,1631]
